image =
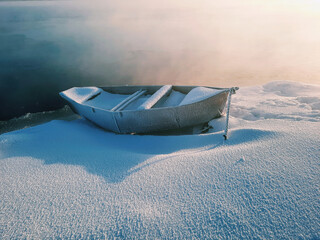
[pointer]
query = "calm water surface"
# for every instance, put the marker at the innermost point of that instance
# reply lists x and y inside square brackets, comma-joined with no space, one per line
[49,46]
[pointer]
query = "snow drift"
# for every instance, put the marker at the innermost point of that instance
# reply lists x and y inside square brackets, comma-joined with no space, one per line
[73,180]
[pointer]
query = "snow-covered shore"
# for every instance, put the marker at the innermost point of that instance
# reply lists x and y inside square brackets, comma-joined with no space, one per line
[69,179]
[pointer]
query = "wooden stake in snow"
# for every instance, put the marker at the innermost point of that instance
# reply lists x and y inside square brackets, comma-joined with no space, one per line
[231,91]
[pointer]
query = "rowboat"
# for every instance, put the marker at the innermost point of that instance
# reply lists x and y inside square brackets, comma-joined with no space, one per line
[146,109]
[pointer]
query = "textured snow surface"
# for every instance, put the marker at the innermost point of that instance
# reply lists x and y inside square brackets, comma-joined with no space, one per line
[199,93]
[278,100]
[72,180]
[174,99]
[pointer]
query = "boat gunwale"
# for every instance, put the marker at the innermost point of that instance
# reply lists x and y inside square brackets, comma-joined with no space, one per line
[154,109]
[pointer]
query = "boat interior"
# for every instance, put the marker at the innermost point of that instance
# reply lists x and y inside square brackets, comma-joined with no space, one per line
[142,97]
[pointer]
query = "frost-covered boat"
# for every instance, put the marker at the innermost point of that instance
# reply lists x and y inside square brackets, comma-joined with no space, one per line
[143,109]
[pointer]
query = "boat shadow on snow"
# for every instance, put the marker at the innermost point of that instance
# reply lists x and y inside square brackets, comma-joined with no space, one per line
[116,156]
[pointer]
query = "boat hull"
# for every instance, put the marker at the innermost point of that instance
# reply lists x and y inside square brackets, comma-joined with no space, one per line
[154,119]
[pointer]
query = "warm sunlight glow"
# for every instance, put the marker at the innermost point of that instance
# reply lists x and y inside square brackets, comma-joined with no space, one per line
[211,41]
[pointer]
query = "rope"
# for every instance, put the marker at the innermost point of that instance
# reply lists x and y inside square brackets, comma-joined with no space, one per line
[231,91]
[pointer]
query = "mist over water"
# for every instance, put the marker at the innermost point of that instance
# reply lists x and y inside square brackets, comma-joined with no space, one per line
[49,46]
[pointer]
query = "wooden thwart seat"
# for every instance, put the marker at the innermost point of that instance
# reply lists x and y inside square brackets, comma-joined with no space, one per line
[128,100]
[151,101]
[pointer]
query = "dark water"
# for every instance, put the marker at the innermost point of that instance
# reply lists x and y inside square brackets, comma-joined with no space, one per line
[49,46]
[44,49]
